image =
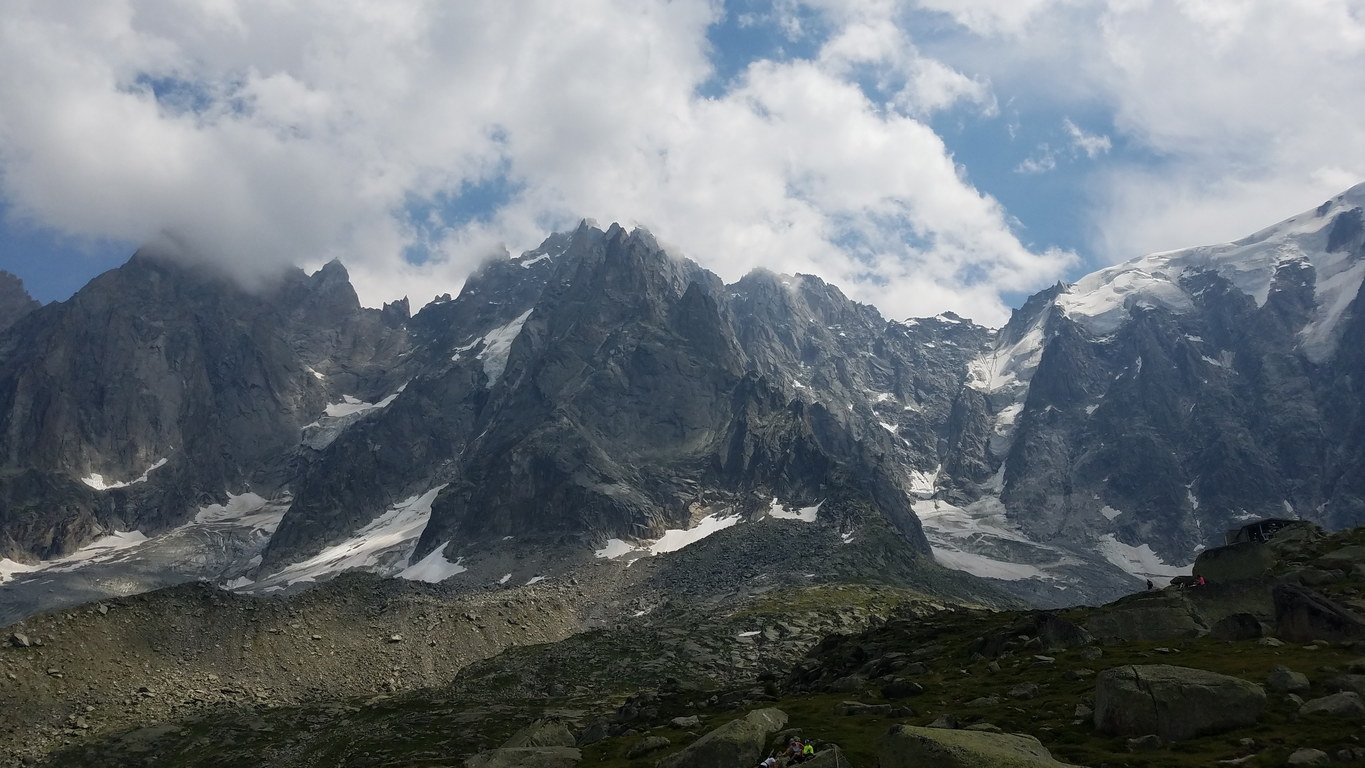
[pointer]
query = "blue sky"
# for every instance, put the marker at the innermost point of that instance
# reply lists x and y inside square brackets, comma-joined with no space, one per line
[922,154]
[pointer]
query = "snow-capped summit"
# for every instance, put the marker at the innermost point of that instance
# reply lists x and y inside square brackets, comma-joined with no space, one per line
[1158,402]
[1326,238]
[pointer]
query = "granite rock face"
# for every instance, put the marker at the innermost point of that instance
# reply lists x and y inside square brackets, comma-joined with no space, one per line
[600,388]
[158,387]
[14,300]
[1156,404]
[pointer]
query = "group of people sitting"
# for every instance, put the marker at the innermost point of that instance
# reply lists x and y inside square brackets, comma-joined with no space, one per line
[796,752]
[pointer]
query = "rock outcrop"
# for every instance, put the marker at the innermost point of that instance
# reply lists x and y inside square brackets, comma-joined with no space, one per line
[1302,615]
[739,742]
[907,746]
[1172,702]
[1160,615]
[14,300]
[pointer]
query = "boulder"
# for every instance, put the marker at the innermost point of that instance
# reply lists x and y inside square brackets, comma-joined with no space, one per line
[1307,756]
[542,733]
[1286,680]
[1353,683]
[1237,626]
[526,757]
[1302,615]
[1243,561]
[1173,702]
[1343,559]
[1346,705]
[688,721]
[19,640]
[596,731]
[646,745]
[907,746]
[1058,634]
[1148,616]
[1024,691]
[945,720]
[739,742]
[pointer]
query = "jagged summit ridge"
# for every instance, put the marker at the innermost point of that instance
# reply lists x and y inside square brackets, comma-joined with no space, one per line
[598,389]
[1327,239]
[1152,405]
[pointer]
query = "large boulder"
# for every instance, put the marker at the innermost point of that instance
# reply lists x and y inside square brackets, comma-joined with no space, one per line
[542,733]
[1237,626]
[542,744]
[1161,615]
[1286,680]
[1243,561]
[1346,705]
[737,743]
[907,746]
[1173,702]
[1053,632]
[526,757]
[1302,615]
[1344,559]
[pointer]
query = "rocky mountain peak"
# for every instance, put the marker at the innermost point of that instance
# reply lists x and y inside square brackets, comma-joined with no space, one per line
[14,300]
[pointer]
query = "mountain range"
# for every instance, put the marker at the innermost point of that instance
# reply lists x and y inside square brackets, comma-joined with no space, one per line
[598,401]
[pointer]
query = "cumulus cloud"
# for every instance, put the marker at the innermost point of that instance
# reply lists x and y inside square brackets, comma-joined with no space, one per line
[1232,114]
[275,134]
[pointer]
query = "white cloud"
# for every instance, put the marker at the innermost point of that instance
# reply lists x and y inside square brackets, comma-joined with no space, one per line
[1232,113]
[305,131]
[1044,157]
[1042,160]
[1091,145]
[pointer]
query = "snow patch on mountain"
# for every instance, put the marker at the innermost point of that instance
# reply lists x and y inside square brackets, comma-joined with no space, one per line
[986,567]
[783,512]
[96,480]
[978,538]
[497,344]
[384,546]
[433,568]
[1139,561]
[1008,367]
[1335,291]
[675,539]
[350,405]
[924,483]
[247,510]
[101,550]
[615,548]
